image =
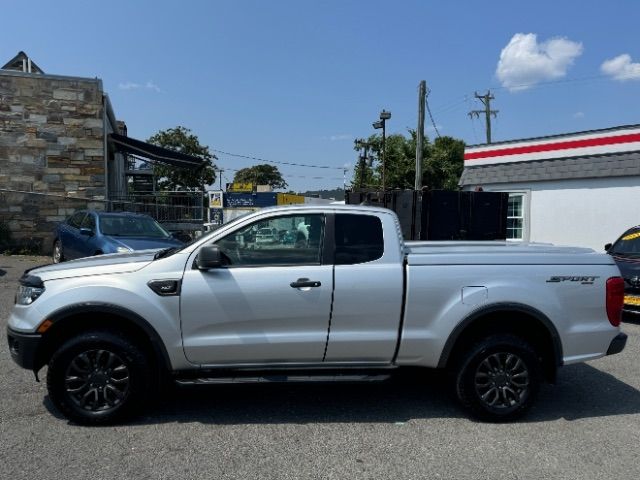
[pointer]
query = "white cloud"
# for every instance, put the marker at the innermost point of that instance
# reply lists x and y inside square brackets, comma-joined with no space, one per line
[621,68]
[152,86]
[128,86]
[525,62]
[578,115]
[340,137]
[136,86]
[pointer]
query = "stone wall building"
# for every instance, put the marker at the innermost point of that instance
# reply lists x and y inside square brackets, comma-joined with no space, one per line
[54,154]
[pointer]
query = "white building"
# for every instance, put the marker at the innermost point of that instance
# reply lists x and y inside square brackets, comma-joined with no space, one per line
[573,189]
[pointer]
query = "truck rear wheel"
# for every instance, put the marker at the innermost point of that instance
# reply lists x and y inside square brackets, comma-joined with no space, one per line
[498,378]
[98,377]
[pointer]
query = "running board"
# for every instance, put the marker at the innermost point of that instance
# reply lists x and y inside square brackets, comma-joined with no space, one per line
[283,379]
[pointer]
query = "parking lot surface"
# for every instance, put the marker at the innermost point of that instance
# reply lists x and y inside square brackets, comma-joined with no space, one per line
[587,426]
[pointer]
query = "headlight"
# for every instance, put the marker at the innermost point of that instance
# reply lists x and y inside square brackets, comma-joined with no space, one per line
[28,295]
[123,250]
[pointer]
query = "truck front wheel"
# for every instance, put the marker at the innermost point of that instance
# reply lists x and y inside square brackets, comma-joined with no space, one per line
[498,378]
[98,377]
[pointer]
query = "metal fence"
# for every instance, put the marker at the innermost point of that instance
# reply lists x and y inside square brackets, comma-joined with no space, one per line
[28,219]
[165,207]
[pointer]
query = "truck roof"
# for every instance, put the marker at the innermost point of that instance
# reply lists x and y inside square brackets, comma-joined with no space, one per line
[328,207]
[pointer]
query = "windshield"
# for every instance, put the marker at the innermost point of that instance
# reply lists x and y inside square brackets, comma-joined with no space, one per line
[167,252]
[131,226]
[628,245]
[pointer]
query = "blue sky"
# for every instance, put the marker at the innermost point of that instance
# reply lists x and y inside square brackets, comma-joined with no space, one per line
[297,81]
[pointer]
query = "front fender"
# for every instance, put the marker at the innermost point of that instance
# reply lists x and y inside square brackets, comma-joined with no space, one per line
[113,295]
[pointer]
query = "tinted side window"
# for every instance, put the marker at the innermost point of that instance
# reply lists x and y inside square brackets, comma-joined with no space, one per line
[76,219]
[89,222]
[359,239]
[288,240]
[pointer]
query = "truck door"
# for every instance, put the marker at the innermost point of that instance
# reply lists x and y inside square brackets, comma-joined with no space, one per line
[368,291]
[269,305]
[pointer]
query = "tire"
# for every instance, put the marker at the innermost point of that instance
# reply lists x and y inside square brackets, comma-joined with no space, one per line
[498,378]
[58,254]
[98,378]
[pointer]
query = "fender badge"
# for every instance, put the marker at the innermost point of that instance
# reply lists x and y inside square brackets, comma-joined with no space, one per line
[587,280]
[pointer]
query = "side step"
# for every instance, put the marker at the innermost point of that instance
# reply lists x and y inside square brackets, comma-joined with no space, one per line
[283,379]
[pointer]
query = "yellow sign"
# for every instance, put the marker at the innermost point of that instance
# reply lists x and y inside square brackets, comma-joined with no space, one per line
[239,187]
[631,236]
[631,300]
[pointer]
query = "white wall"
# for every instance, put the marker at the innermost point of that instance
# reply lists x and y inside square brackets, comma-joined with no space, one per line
[588,213]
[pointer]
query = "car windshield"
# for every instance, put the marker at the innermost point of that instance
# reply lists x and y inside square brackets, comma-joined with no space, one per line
[131,226]
[628,245]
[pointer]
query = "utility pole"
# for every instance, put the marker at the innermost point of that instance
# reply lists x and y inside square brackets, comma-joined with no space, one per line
[220,177]
[382,123]
[486,100]
[364,145]
[422,92]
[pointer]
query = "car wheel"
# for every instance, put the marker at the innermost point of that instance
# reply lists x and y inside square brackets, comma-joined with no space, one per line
[58,254]
[98,378]
[498,378]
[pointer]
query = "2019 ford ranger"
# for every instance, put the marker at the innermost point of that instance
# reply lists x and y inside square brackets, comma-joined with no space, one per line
[349,300]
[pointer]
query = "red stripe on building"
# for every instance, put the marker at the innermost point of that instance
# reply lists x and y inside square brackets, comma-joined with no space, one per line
[549,147]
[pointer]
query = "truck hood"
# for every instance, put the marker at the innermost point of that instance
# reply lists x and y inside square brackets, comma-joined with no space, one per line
[99,265]
[144,243]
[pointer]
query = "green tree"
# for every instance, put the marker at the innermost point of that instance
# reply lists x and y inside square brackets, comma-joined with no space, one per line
[182,140]
[442,163]
[263,174]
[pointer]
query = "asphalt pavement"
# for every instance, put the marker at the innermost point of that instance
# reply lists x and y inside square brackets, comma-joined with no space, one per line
[587,426]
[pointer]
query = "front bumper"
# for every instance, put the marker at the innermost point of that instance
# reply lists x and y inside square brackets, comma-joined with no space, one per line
[24,347]
[617,344]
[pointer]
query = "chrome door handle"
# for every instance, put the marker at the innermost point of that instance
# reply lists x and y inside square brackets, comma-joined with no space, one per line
[304,282]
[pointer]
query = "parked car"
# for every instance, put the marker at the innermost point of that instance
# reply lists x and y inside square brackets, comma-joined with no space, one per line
[626,252]
[87,233]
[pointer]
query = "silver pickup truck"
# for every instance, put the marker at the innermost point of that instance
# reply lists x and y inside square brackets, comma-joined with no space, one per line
[333,293]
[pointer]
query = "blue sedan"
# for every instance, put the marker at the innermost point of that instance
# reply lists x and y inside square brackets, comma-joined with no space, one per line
[87,233]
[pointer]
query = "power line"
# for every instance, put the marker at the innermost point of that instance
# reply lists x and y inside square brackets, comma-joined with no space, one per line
[426,102]
[451,105]
[590,78]
[275,161]
[456,103]
[225,169]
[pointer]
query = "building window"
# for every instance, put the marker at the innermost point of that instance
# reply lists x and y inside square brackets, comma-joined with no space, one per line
[515,217]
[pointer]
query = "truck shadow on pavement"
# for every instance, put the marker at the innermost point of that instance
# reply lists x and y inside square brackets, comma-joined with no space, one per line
[581,392]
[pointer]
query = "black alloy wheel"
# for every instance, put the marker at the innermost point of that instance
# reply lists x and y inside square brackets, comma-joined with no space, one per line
[498,378]
[98,377]
[97,380]
[502,380]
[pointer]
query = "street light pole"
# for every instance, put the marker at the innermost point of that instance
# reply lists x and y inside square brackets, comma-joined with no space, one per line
[382,123]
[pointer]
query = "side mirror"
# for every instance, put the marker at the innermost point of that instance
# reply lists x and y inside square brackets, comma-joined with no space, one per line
[86,231]
[607,247]
[209,257]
